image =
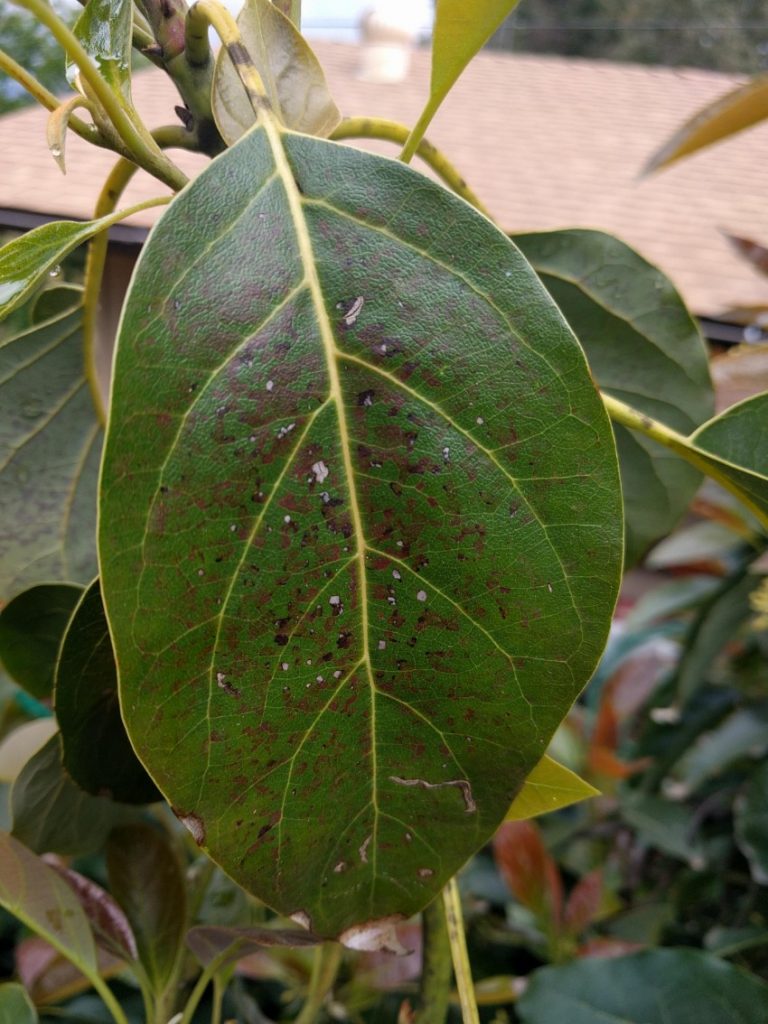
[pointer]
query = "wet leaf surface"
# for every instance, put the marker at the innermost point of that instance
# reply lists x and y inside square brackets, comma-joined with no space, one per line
[31,628]
[643,347]
[104,29]
[361,526]
[50,444]
[97,753]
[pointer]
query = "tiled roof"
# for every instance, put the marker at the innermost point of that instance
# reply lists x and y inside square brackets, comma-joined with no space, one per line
[546,142]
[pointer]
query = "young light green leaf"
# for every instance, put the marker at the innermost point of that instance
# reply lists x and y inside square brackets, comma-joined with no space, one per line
[751,823]
[735,445]
[50,444]
[26,260]
[348,493]
[104,28]
[15,1005]
[741,108]
[52,815]
[292,76]
[31,628]
[146,879]
[461,29]
[97,753]
[34,893]
[56,128]
[653,987]
[549,787]
[645,348]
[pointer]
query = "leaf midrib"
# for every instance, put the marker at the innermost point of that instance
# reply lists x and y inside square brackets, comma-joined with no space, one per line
[307,257]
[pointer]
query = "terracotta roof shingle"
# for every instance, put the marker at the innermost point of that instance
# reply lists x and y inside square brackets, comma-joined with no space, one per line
[547,142]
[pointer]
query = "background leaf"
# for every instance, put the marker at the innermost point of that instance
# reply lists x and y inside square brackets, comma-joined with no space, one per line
[35,894]
[53,815]
[209,941]
[643,347]
[15,1006]
[18,746]
[751,823]
[50,444]
[653,987]
[26,260]
[145,878]
[739,109]
[549,787]
[347,495]
[31,628]
[735,443]
[96,750]
[104,28]
[292,76]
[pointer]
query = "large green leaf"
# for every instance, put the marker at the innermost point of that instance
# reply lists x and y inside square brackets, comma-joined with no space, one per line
[104,28]
[33,892]
[735,445]
[291,73]
[751,821]
[741,108]
[654,987]
[146,879]
[360,528]
[97,753]
[459,32]
[15,1005]
[53,815]
[644,347]
[31,628]
[50,442]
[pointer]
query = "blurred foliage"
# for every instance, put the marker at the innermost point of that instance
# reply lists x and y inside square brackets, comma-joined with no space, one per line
[724,35]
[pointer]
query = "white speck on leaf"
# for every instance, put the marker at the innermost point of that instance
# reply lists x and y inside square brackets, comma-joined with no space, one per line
[320,470]
[270,385]
[396,575]
[480,421]
[286,519]
[285,666]
[363,851]
[354,311]
[382,645]
[421,596]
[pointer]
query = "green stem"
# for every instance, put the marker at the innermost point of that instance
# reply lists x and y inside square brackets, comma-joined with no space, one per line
[215,14]
[202,984]
[418,131]
[461,968]
[681,445]
[109,197]
[138,142]
[109,1000]
[435,988]
[391,131]
[325,967]
[43,96]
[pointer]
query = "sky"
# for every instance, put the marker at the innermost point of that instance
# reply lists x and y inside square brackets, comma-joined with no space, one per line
[338,18]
